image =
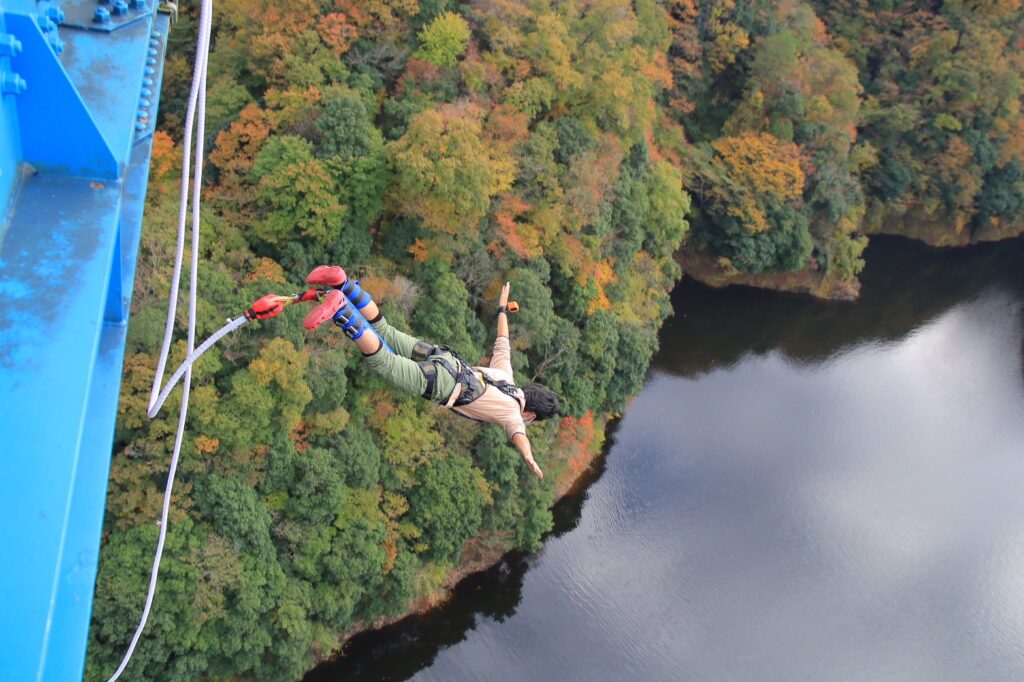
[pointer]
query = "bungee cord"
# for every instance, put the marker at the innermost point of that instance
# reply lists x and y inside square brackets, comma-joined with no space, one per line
[196,104]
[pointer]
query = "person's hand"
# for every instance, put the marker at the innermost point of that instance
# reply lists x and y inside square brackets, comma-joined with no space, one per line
[503,300]
[534,468]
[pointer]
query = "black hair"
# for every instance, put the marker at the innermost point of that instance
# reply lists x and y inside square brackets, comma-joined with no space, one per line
[542,401]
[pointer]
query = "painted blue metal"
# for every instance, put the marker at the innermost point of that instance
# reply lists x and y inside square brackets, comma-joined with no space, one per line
[73,173]
[10,148]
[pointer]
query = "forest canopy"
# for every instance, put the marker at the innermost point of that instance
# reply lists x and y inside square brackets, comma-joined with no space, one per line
[437,149]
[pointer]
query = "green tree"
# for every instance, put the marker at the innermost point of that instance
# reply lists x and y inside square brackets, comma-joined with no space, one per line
[444,40]
[297,192]
[444,173]
[447,505]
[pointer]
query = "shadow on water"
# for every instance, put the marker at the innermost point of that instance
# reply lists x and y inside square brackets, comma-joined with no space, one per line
[399,651]
[904,285]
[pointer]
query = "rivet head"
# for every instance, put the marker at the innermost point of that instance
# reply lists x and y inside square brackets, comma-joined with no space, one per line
[139,125]
[144,103]
[149,71]
[148,82]
[146,92]
[9,45]
[12,84]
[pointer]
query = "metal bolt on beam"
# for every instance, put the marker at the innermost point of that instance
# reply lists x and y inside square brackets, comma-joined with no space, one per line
[45,23]
[102,16]
[139,4]
[9,45]
[12,84]
[120,7]
[56,44]
[56,14]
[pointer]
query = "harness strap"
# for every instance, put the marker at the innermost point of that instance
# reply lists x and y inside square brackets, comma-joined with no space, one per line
[509,389]
[453,398]
[430,372]
[469,384]
[423,350]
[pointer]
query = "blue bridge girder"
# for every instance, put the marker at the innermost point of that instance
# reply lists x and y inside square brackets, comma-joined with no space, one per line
[78,101]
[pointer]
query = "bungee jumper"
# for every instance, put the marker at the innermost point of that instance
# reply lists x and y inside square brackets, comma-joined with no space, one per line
[486,394]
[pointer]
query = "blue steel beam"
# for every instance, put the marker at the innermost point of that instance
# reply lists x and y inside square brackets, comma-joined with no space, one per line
[10,148]
[52,115]
[74,160]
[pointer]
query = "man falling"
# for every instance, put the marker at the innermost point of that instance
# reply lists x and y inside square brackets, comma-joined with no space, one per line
[486,394]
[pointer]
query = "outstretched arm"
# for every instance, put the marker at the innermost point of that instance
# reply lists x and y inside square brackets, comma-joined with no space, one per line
[522,444]
[501,356]
[502,316]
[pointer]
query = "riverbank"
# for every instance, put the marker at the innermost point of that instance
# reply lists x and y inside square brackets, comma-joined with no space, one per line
[706,269]
[935,230]
[574,472]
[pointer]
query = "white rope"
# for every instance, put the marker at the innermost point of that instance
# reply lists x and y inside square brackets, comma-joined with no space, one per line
[197,96]
[187,363]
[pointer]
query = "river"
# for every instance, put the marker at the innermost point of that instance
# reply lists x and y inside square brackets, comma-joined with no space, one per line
[801,491]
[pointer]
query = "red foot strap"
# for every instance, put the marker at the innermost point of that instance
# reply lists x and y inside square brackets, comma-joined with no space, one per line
[326,275]
[332,303]
[267,307]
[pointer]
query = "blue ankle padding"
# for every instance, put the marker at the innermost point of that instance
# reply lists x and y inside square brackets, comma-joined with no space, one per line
[348,318]
[358,323]
[356,294]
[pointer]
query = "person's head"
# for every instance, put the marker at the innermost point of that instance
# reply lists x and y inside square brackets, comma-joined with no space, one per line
[541,403]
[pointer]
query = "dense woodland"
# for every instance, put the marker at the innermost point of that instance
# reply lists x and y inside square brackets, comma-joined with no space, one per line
[437,149]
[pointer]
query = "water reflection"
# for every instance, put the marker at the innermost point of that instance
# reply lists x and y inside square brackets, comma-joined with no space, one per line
[906,284]
[400,651]
[801,491]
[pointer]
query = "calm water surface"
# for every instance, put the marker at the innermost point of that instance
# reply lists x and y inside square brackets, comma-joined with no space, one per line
[802,491]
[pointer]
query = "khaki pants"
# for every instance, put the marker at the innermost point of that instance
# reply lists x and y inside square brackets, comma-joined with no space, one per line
[401,370]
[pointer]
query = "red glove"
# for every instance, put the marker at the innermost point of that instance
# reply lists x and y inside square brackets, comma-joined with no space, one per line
[267,307]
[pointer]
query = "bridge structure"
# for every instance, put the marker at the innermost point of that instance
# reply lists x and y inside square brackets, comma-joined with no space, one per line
[79,90]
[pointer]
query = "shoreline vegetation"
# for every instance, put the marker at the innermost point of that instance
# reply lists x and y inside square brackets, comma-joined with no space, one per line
[479,554]
[589,152]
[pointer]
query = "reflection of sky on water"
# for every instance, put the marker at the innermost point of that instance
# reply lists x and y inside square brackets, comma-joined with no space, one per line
[855,518]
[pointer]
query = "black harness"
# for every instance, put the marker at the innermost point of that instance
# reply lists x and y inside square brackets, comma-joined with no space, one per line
[473,385]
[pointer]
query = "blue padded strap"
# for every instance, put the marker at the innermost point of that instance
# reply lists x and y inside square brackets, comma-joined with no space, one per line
[356,294]
[350,321]
[354,324]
